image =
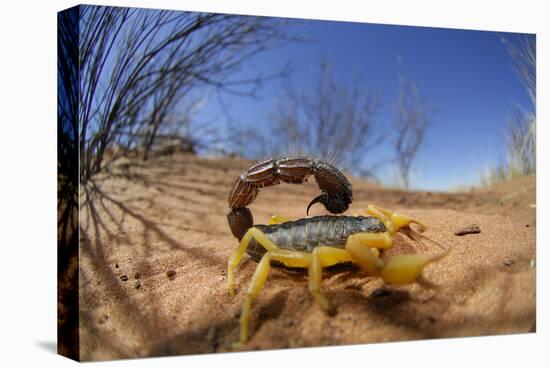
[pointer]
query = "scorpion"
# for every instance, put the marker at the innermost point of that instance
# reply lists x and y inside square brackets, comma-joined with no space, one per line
[317,242]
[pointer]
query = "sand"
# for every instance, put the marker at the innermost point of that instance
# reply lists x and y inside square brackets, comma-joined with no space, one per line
[155,242]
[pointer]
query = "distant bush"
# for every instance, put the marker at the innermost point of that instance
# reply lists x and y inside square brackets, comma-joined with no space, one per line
[128,76]
[522,126]
[521,139]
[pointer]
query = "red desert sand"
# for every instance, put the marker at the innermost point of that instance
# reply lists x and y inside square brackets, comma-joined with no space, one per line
[155,242]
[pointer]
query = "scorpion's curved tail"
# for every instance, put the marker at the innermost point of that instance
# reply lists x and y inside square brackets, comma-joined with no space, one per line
[336,191]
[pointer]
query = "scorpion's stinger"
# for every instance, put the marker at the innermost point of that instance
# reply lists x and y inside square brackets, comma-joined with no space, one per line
[335,203]
[314,201]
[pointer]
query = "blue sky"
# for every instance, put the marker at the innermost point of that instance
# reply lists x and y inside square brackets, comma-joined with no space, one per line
[467,76]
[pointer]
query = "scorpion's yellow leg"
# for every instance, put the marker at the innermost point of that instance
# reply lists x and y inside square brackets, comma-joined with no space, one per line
[400,269]
[278,219]
[321,257]
[255,287]
[238,253]
[360,245]
[393,221]
[289,258]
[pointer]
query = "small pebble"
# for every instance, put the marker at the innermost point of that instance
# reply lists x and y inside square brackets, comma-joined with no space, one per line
[380,292]
[103,319]
[470,229]
[124,277]
[171,273]
[508,262]
[116,265]
[137,275]
[137,285]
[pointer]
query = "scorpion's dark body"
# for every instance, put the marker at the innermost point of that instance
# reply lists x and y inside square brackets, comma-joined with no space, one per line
[308,233]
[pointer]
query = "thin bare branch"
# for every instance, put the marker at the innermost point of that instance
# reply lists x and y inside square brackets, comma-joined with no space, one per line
[334,119]
[138,66]
[412,119]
